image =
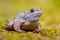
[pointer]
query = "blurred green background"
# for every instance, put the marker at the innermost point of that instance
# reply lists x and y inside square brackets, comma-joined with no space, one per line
[50,8]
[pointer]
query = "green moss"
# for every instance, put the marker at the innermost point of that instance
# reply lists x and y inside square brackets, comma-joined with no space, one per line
[47,33]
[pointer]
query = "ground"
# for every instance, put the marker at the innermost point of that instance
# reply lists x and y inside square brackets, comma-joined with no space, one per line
[47,33]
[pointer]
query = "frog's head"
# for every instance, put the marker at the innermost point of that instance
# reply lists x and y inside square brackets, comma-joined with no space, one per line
[34,14]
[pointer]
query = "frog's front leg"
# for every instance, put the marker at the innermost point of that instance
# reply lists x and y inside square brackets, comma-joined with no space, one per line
[17,25]
[37,28]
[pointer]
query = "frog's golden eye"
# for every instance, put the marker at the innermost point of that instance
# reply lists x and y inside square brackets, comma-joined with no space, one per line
[32,10]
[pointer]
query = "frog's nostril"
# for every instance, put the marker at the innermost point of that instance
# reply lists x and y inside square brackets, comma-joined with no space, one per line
[32,10]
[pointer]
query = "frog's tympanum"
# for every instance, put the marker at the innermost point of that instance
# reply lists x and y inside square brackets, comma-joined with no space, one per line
[25,21]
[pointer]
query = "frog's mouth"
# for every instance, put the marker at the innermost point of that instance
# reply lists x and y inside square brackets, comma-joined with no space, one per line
[32,17]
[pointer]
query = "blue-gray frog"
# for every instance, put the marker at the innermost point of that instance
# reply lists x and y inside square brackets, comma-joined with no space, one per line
[25,21]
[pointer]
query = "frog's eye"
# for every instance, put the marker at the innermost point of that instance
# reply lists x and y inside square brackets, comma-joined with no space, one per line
[32,10]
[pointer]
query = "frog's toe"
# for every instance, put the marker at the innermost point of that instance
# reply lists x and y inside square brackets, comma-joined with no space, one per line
[36,31]
[20,31]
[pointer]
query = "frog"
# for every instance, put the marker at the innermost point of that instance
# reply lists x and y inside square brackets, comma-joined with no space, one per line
[26,21]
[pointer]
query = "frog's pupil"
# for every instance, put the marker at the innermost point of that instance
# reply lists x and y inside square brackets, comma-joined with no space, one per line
[32,10]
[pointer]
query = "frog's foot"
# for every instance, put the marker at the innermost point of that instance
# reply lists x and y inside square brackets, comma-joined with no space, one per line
[38,28]
[21,31]
[36,31]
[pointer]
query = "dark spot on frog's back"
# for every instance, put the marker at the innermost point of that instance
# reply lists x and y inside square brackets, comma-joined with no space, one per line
[32,10]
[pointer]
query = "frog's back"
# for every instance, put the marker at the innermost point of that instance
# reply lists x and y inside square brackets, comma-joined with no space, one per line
[21,15]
